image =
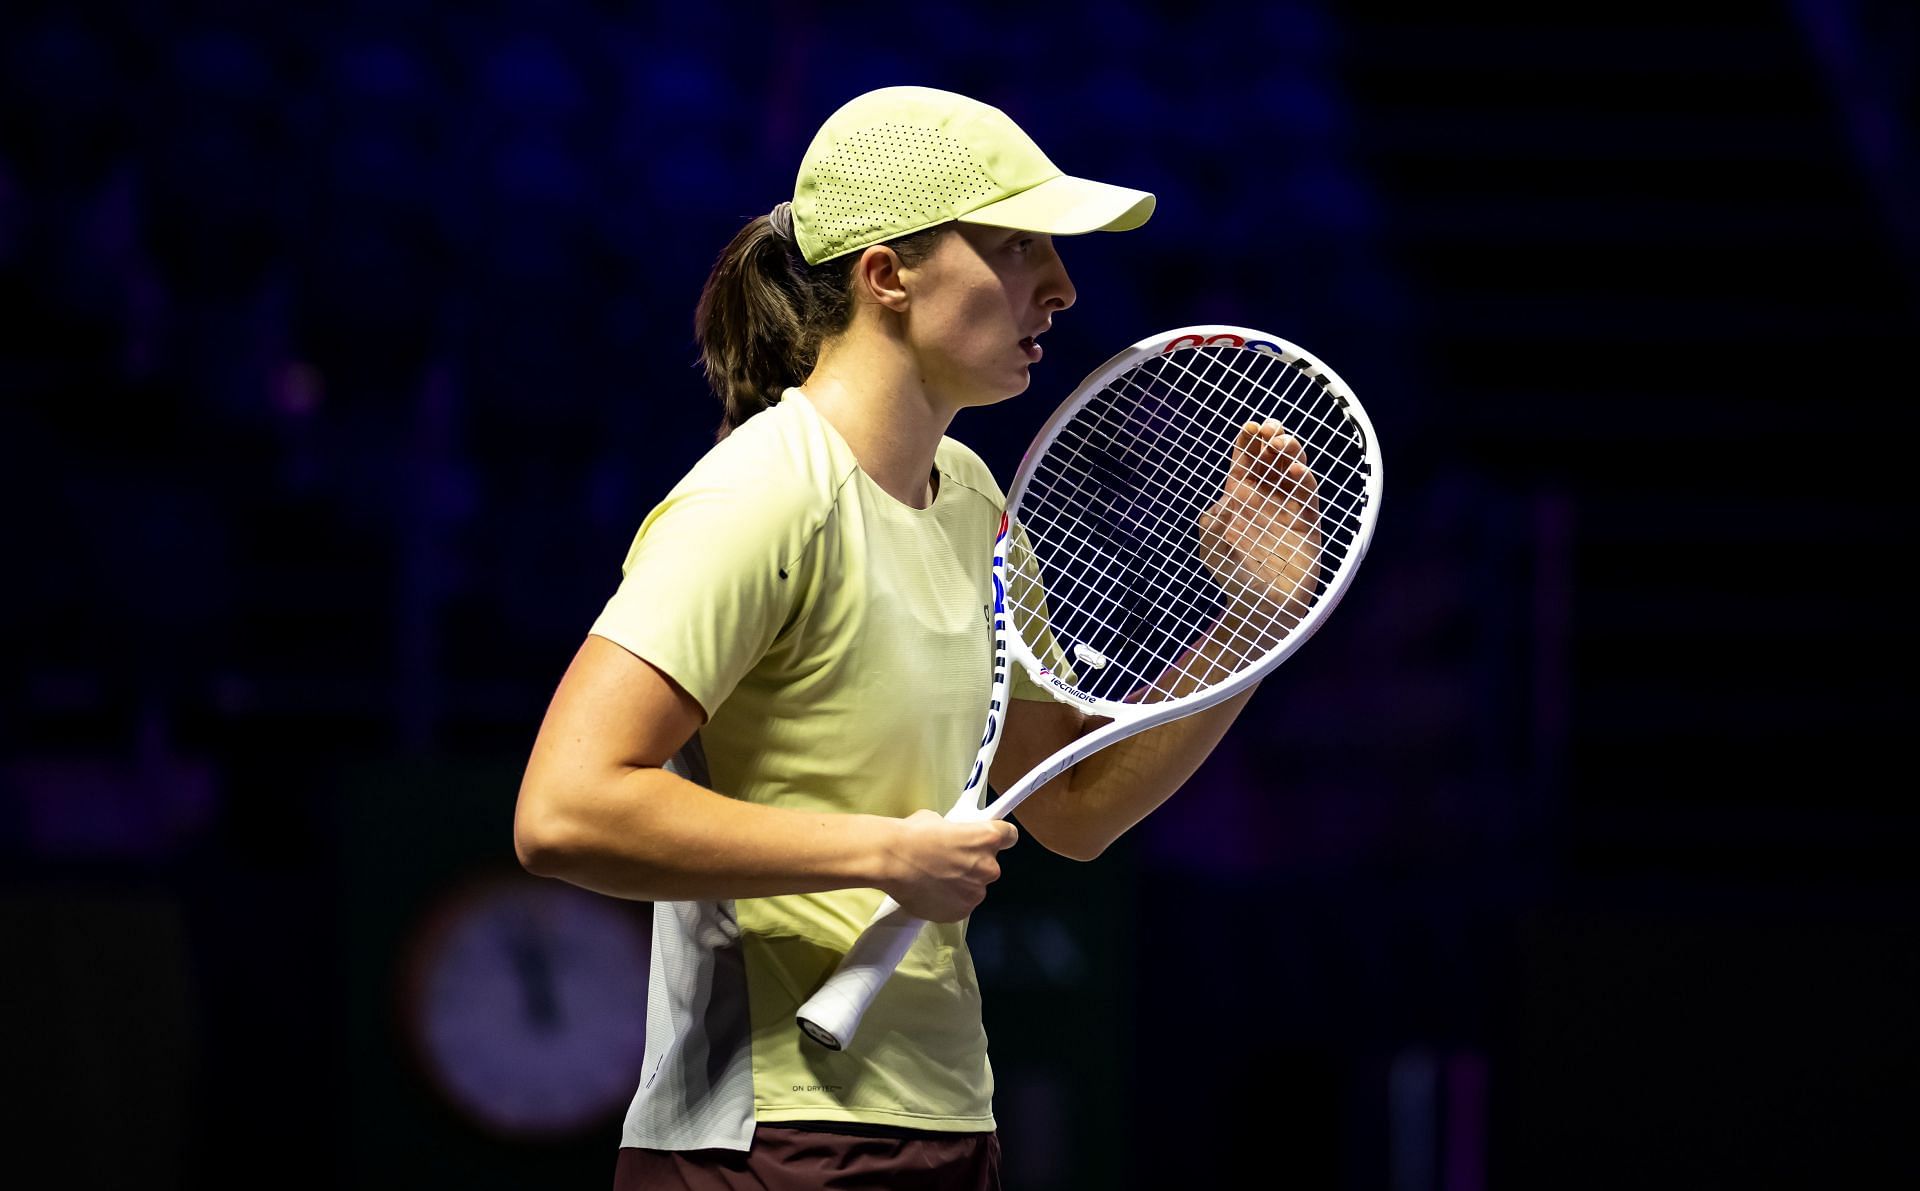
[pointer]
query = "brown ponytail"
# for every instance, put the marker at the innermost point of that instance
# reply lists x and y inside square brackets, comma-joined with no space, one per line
[764,313]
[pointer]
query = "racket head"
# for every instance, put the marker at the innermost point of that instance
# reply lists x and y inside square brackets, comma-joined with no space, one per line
[1108,583]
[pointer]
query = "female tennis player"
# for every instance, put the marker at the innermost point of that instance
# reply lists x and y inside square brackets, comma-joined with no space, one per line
[788,686]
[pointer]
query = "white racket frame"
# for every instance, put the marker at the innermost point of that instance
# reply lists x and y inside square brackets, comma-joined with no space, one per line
[833,1014]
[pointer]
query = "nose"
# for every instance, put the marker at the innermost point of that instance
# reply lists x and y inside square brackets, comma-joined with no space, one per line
[1056,291]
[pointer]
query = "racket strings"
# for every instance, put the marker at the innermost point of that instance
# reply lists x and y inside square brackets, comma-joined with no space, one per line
[1085,541]
[1332,445]
[1161,586]
[1336,498]
[1095,571]
[1253,633]
[1340,485]
[1288,541]
[1090,510]
[1316,443]
[1187,501]
[1116,580]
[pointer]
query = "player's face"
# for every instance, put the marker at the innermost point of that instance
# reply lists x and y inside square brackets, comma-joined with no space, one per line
[980,300]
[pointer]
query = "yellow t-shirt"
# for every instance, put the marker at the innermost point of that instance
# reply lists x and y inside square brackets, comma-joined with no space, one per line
[841,646]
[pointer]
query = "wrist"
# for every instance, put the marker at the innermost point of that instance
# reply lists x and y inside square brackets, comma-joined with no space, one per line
[879,864]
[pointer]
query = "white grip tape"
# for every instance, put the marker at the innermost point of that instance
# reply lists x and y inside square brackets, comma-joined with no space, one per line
[832,1014]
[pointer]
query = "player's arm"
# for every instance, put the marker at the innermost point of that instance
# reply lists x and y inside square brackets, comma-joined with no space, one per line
[597,809]
[1096,801]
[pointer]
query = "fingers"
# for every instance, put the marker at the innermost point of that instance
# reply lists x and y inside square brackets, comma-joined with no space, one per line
[948,864]
[1269,463]
[1282,452]
[1242,457]
[1270,448]
[1262,535]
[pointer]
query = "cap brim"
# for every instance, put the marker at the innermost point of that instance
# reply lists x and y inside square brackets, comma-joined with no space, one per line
[1067,206]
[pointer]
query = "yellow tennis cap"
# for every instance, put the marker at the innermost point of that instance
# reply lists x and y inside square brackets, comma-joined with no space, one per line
[901,159]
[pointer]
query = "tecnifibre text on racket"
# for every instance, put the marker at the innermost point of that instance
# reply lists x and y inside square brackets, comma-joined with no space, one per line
[1183,523]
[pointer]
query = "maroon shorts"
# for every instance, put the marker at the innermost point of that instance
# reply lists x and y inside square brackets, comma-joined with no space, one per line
[788,1159]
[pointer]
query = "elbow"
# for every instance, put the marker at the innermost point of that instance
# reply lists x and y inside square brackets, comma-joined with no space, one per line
[1052,818]
[537,839]
[1078,849]
[536,856]
[1064,841]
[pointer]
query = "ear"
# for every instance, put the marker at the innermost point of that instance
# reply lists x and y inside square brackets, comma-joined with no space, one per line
[877,275]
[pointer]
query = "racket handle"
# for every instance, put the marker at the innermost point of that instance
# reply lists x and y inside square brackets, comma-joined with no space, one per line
[832,1014]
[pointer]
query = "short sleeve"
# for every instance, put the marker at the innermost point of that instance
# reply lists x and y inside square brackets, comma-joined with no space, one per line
[1019,686]
[706,586]
[1027,606]
[1026,600]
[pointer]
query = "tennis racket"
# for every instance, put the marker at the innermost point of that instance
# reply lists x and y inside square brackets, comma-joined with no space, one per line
[1183,523]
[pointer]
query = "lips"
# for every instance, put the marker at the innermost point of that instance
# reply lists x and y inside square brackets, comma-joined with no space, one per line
[1031,344]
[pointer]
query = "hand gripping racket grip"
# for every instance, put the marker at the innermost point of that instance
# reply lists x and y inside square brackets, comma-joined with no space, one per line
[831,1015]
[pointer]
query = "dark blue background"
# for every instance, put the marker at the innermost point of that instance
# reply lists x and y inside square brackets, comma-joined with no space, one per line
[342,349]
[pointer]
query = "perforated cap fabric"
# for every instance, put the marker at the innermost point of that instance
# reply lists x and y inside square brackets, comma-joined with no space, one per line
[900,159]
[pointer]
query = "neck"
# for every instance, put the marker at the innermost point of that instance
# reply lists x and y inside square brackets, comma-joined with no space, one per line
[870,390]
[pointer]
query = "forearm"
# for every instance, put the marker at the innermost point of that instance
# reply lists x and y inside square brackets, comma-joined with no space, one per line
[649,834]
[1099,799]
[1107,793]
